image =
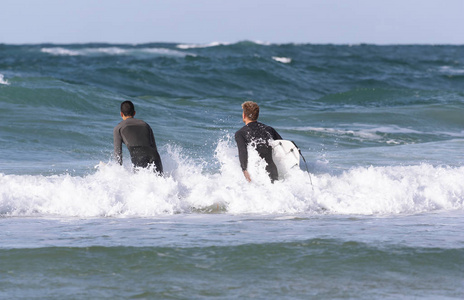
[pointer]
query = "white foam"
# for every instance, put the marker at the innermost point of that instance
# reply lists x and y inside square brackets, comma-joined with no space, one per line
[215,44]
[118,192]
[195,46]
[364,132]
[60,51]
[360,134]
[451,70]
[3,81]
[284,60]
[452,134]
[167,52]
[263,43]
[107,50]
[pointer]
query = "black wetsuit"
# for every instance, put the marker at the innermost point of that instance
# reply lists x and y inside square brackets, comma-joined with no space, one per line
[258,135]
[139,139]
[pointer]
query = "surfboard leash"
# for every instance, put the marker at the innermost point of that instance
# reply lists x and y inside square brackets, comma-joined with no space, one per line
[306,164]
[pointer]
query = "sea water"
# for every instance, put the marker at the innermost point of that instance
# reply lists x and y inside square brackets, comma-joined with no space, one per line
[376,212]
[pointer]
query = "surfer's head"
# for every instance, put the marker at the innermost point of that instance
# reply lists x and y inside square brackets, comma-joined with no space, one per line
[127,109]
[251,110]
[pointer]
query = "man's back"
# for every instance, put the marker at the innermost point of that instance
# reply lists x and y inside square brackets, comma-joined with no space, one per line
[258,135]
[140,141]
[135,133]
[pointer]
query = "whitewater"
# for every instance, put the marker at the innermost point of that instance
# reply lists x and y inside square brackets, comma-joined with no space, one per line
[115,191]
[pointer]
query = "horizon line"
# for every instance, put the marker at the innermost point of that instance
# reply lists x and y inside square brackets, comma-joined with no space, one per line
[221,43]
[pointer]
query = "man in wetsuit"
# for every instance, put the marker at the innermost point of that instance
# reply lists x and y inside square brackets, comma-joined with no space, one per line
[258,135]
[139,139]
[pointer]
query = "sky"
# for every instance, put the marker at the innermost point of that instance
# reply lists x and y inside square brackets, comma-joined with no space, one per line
[207,21]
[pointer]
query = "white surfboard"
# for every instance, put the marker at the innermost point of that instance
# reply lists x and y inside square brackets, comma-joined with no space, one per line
[285,155]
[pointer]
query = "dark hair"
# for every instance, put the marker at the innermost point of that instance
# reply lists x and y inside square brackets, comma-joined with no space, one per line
[127,108]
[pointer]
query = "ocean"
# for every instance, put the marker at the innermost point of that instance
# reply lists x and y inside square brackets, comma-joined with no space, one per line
[376,212]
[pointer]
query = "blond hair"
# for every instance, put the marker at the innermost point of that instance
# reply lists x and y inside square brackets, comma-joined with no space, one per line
[251,110]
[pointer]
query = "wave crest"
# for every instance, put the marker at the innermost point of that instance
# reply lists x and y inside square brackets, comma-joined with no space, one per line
[60,51]
[3,81]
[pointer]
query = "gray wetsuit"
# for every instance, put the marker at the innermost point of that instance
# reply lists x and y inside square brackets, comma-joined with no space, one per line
[139,139]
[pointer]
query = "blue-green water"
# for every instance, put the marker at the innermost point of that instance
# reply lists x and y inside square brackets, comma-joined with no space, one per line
[379,216]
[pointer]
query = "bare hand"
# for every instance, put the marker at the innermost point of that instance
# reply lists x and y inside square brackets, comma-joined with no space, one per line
[247,175]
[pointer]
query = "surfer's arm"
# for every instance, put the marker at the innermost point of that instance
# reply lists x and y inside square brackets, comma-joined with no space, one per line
[275,135]
[242,150]
[158,163]
[247,175]
[117,141]
[152,137]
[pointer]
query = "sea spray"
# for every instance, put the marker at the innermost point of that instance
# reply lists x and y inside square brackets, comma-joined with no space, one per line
[3,81]
[114,190]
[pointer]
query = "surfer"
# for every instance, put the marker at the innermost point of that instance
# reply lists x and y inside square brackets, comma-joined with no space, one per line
[139,139]
[258,135]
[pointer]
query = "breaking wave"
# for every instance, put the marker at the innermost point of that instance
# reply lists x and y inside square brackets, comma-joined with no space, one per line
[3,81]
[186,187]
[60,51]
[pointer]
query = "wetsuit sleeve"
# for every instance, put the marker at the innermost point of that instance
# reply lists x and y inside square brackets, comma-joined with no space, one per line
[117,141]
[158,163]
[242,150]
[278,137]
[274,134]
[152,137]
